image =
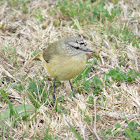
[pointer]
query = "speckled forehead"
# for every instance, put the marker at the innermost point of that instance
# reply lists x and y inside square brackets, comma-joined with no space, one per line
[81,41]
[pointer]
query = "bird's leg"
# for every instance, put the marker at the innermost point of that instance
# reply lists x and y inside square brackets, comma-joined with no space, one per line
[54,90]
[72,89]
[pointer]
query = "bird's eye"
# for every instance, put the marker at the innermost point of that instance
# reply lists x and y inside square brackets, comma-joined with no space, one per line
[76,48]
[81,43]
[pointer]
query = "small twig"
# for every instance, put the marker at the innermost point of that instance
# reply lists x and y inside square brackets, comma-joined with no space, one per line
[102,60]
[95,119]
[91,77]
[2,69]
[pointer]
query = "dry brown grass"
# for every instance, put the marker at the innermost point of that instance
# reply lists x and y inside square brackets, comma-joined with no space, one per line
[21,35]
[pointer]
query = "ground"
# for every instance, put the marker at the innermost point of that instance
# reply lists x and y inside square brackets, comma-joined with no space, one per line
[107,103]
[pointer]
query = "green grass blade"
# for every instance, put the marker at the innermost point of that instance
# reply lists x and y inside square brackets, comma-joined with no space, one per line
[20,109]
[75,133]
[129,134]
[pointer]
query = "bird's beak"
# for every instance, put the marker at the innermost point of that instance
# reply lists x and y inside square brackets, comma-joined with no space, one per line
[89,50]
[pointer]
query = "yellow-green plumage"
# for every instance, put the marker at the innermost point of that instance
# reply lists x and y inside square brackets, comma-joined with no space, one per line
[67,69]
[65,59]
[62,60]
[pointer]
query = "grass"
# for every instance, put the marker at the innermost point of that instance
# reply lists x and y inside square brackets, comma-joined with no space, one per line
[111,75]
[85,11]
[132,131]
[119,76]
[124,34]
[19,4]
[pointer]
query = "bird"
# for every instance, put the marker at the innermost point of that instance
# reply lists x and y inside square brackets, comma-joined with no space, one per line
[65,59]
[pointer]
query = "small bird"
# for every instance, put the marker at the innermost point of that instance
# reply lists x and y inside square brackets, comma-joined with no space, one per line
[65,59]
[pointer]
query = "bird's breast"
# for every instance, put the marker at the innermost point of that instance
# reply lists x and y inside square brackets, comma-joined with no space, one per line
[65,68]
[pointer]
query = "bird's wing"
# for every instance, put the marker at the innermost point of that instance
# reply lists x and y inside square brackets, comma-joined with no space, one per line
[50,51]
